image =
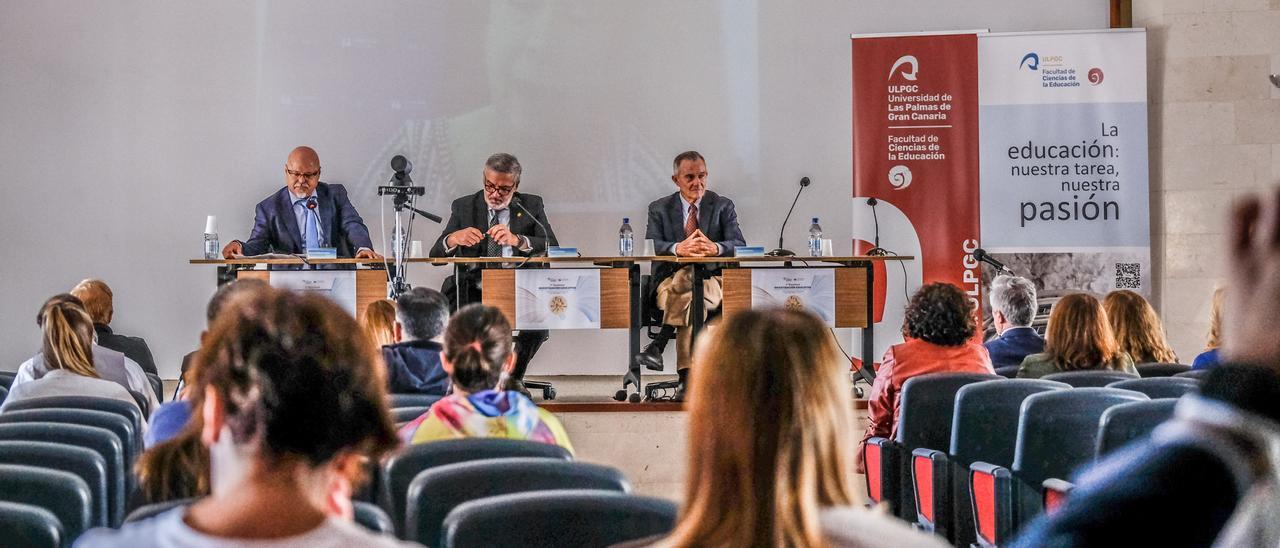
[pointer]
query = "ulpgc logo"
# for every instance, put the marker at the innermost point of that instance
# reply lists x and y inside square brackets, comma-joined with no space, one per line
[899,177]
[1031,61]
[1095,76]
[909,66]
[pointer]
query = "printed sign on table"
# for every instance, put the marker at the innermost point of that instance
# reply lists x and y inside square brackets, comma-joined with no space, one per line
[562,298]
[812,289]
[338,285]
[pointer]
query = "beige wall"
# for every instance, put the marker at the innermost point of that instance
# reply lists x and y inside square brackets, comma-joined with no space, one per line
[1215,135]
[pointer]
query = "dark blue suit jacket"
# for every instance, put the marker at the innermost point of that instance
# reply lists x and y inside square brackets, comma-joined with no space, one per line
[1016,343]
[275,229]
[717,219]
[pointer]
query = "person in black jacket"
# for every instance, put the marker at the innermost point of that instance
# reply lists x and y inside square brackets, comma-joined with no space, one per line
[1210,475]
[413,362]
[497,221]
[99,302]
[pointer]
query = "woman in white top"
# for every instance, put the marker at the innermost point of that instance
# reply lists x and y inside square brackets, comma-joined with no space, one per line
[67,351]
[287,394]
[772,436]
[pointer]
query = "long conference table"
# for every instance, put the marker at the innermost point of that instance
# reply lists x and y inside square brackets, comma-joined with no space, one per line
[621,299]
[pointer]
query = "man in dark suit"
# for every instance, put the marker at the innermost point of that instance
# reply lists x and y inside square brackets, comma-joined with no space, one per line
[692,222]
[497,221]
[1013,308]
[99,302]
[306,213]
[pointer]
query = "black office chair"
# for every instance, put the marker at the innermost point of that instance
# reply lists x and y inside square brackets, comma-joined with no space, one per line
[436,492]
[651,320]
[100,440]
[557,518]
[85,463]
[119,407]
[63,494]
[399,469]
[29,526]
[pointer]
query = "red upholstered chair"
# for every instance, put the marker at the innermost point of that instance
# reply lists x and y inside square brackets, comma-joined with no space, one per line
[1055,493]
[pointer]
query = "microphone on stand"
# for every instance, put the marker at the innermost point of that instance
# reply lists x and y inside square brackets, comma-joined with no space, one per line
[876,250]
[781,251]
[982,255]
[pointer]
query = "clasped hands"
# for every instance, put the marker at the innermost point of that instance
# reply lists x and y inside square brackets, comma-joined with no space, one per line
[470,236]
[697,245]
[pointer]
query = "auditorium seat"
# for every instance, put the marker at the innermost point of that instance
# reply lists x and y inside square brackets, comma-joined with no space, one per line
[924,421]
[985,426]
[84,463]
[412,400]
[6,379]
[1057,432]
[1146,370]
[1091,378]
[87,417]
[100,440]
[557,518]
[157,386]
[367,515]
[399,469]
[1130,421]
[1159,387]
[29,526]
[4,393]
[131,412]
[63,494]
[1055,493]
[1198,374]
[403,415]
[436,492]
[1008,371]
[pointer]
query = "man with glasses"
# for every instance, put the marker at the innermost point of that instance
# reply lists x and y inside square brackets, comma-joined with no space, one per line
[305,214]
[497,221]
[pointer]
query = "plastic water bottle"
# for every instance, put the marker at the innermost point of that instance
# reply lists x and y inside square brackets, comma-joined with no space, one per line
[211,248]
[815,239]
[626,239]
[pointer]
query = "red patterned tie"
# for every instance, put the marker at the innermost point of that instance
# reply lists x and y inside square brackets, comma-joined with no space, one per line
[691,224]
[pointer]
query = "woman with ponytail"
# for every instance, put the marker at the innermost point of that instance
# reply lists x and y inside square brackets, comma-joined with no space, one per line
[478,357]
[67,344]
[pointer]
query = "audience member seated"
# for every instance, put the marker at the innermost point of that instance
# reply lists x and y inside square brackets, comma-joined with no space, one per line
[268,369]
[109,364]
[380,322]
[1208,477]
[67,355]
[478,357]
[172,416]
[1078,338]
[769,413]
[1013,308]
[99,303]
[413,361]
[939,329]
[1209,358]
[1137,329]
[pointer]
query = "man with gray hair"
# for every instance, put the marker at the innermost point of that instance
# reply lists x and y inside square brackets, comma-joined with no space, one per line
[497,221]
[1013,308]
[413,362]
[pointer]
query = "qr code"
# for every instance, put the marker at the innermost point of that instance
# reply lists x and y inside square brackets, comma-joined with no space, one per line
[1128,275]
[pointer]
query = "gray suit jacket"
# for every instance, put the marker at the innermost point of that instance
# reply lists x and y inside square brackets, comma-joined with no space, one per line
[717,219]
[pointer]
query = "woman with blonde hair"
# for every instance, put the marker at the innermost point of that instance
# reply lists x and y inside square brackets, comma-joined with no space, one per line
[1137,328]
[770,462]
[1209,358]
[67,354]
[1078,337]
[380,322]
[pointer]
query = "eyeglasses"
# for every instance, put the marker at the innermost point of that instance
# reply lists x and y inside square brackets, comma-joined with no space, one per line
[498,190]
[311,175]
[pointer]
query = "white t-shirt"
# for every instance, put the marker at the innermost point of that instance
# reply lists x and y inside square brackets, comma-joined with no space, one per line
[169,530]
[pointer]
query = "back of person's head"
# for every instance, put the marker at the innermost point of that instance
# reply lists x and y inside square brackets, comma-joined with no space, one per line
[1015,298]
[67,336]
[177,468]
[771,411]
[276,361]
[940,313]
[228,291]
[477,344]
[1079,335]
[1214,338]
[97,298]
[380,322]
[422,313]
[1136,327]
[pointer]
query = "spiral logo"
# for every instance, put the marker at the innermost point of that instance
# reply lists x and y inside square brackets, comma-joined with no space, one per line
[1095,76]
[899,177]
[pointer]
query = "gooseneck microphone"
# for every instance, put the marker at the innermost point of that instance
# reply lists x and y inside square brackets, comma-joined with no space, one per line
[982,255]
[876,250]
[515,201]
[781,251]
